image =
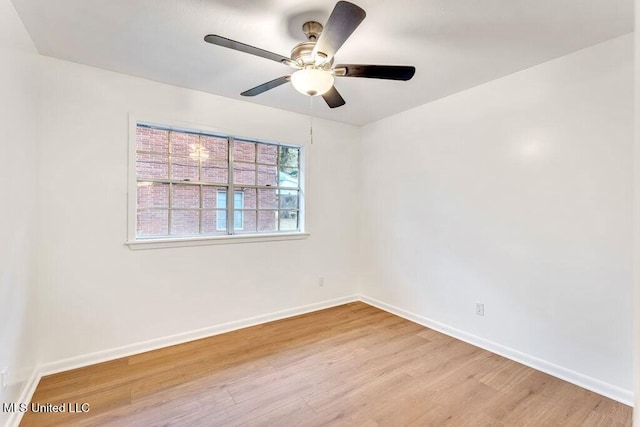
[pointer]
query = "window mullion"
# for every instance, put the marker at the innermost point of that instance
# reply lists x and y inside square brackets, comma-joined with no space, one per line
[170,184]
[278,189]
[230,190]
[200,213]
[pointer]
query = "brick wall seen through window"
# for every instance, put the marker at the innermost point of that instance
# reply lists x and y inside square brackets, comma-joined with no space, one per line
[184,179]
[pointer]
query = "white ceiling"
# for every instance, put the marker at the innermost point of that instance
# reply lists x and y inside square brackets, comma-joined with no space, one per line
[454,44]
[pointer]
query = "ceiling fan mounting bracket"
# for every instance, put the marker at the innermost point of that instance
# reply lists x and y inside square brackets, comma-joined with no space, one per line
[312,30]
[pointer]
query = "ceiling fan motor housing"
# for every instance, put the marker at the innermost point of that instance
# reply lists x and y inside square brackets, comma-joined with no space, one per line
[302,53]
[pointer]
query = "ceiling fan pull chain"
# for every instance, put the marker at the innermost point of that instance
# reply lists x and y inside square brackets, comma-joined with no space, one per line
[311,119]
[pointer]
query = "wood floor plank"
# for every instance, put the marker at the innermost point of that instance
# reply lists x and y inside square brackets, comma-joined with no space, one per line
[343,366]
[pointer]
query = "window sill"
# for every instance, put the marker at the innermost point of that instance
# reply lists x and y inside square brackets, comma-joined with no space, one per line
[142,244]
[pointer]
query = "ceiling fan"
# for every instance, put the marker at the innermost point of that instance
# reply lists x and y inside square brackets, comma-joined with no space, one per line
[313,59]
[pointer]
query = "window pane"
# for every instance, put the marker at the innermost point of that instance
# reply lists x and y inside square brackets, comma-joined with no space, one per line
[267,220]
[152,140]
[267,154]
[153,195]
[216,171]
[217,148]
[214,222]
[267,199]
[222,220]
[214,197]
[267,175]
[186,144]
[289,199]
[222,198]
[185,222]
[185,196]
[248,198]
[238,220]
[244,221]
[238,216]
[289,156]
[152,222]
[244,173]
[288,177]
[184,168]
[152,166]
[244,151]
[288,220]
[238,200]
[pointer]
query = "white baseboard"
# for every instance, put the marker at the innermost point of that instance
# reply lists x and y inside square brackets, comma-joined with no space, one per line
[141,347]
[154,344]
[595,385]
[25,396]
[609,390]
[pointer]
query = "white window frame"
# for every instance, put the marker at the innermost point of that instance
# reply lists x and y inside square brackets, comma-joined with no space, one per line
[136,243]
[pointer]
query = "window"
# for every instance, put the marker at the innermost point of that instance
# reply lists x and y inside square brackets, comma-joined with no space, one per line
[184,179]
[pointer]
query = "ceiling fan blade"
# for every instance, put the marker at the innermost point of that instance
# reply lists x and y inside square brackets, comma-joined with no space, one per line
[235,45]
[342,22]
[388,72]
[333,98]
[266,86]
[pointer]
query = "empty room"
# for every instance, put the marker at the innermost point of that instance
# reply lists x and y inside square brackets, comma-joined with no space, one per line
[319,213]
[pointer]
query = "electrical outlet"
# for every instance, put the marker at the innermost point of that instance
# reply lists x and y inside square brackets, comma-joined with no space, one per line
[321,281]
[4,378]
[479,309]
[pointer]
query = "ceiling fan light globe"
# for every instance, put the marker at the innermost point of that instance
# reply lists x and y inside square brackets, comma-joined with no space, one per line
[312,81]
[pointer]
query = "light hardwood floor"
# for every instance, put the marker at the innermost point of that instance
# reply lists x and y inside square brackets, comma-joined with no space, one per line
[348,365]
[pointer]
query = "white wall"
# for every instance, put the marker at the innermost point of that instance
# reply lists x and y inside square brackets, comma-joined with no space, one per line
[97,293]
[516,194]
[19,118]
[636,219]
